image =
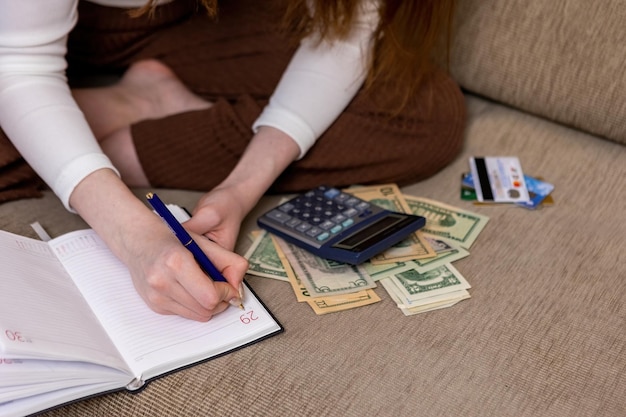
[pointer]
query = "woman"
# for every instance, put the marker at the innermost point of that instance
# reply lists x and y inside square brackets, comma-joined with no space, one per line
[229,105]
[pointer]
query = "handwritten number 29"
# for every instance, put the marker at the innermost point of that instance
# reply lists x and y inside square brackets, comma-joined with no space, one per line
[248,317]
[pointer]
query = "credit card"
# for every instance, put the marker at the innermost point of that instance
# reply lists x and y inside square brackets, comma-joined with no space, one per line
[499,179]
[467,187]
[538,190]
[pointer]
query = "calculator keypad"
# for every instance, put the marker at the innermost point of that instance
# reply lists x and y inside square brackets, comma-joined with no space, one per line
[322,213]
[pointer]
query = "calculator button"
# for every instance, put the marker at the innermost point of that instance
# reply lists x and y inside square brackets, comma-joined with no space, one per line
[303,227]
[332,193]
[323,236]
[327,225]
[316,219]
[338,218]
[348,223]
[278,216]
[338,228]
[350,212]
[342,197]
[287,207]
[310,194]
[293,222]
[362,205]
[314,231]
[351,201]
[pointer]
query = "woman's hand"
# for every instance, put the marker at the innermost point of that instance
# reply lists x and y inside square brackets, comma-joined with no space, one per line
[219,213]
[218,216]
[170,281]
[164,272]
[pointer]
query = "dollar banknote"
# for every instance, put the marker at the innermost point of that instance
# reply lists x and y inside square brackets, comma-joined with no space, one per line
[438,245]
[324,277]
[428,304]
[389,196]
[448,222]
[302,294]
[415,286]
[379,271]
[446,253]
[416,293]
[333,304]
[434,306]
[327,304]
[263,260]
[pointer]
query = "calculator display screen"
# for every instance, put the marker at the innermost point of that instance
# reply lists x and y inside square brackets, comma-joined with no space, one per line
[374,233]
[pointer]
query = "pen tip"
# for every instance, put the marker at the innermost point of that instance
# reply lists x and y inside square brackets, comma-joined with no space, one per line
[241,306]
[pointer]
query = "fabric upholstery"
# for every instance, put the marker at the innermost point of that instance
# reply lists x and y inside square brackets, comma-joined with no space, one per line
[563,60]
[542,335]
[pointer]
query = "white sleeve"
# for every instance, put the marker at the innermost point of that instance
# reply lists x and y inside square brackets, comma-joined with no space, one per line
[37,111]
[320,81]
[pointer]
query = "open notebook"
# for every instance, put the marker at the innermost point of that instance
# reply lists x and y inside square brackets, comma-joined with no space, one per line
[73,326]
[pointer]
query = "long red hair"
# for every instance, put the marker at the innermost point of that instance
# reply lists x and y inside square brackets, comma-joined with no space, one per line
[411,38]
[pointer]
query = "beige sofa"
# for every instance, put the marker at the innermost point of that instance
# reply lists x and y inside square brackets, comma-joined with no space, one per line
[544,333]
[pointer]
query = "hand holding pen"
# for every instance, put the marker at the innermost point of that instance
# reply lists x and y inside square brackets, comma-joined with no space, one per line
[187,241]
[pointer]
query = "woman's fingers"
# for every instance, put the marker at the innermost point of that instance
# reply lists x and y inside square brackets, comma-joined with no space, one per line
[175,283]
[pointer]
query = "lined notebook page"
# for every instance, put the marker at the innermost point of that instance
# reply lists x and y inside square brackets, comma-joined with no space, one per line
[42,313]
[150,342]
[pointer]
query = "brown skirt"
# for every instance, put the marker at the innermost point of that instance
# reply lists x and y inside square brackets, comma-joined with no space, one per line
[236,61]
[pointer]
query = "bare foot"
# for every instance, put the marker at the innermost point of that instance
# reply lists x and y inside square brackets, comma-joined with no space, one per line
[153,87]
[148,90]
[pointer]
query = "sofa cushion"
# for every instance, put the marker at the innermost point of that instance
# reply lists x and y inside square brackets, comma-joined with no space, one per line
[563,60]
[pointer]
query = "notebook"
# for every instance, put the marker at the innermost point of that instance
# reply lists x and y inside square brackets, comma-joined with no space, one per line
[72,325]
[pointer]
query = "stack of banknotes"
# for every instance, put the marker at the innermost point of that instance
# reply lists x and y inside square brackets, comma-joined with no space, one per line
[417,272]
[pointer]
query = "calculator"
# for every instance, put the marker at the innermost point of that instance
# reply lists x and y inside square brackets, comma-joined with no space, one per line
[335,225]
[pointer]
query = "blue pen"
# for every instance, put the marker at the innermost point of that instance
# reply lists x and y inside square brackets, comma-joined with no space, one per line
[184,238]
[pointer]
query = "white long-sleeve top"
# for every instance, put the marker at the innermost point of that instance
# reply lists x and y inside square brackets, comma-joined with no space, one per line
[39,115]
